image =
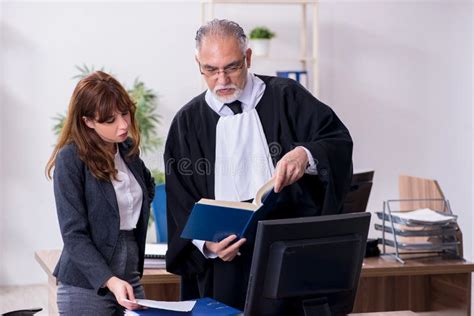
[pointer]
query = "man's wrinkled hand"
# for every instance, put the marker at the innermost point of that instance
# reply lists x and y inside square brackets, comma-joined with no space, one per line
[224,249]
[290,168]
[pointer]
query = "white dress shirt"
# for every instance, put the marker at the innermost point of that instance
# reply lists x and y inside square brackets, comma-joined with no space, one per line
[129,195]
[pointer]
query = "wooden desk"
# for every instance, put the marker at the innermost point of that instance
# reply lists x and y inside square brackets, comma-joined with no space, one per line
[406,313]
[418,285]
[158,284]
[399,313]
[385,285]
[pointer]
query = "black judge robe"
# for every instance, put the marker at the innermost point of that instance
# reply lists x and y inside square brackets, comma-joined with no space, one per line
[290,117]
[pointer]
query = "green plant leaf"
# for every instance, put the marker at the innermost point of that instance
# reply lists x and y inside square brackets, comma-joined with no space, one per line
[84,71]
[60,119]
[261,32]
[158,175]
[146,115]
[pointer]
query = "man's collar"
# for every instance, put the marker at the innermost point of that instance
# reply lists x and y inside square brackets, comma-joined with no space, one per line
[245,97]
[251,95]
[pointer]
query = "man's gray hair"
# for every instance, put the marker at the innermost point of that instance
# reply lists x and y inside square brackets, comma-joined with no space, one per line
[221,28]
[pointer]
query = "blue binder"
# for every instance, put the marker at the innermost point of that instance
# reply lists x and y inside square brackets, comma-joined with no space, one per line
[204,306]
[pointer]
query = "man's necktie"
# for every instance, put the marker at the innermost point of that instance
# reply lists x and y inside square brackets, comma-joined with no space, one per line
[235,106]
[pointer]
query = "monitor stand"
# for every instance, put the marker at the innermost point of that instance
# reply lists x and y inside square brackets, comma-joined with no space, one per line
[316,307]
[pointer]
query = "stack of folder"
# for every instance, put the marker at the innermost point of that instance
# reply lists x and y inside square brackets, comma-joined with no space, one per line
[155,256]
[200,307]
[422,230]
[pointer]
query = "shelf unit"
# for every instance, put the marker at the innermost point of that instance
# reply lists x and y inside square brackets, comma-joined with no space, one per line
[308,61]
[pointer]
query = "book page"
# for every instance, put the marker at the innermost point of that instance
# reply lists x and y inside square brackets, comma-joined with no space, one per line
[183,306]
[262,191]
[425,215]
[239,205]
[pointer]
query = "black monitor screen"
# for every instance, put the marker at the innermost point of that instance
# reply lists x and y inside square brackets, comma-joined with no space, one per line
[307,266]
[358,196]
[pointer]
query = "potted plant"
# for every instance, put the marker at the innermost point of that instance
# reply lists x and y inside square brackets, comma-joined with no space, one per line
[147,117]
[260,37]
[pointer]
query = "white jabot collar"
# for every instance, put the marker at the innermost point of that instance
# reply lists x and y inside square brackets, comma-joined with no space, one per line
[243,161]
[251,95]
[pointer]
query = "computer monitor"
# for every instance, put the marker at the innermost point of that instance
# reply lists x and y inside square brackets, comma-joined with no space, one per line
[358,196]
[307,266]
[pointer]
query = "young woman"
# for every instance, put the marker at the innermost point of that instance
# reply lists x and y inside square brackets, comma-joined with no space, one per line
[103,193]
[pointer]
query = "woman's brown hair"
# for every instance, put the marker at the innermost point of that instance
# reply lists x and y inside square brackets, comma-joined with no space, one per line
[97,97]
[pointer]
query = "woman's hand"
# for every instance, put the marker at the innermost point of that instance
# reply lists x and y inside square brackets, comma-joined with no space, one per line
[123,292]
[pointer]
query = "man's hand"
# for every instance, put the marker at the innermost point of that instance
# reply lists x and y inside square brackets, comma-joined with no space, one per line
[123,292]
[290,168]
[222,248]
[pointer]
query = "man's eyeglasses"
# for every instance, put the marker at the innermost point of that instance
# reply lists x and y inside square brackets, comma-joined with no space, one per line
[229,70]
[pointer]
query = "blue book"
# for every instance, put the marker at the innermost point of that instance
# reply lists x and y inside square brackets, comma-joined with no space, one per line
[215,220]
[203,306]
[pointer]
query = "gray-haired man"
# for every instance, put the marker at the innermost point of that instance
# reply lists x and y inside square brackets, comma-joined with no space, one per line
[229,140]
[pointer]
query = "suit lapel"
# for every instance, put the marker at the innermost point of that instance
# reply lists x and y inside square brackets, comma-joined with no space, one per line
[109,193]
[134,165]
[107,187]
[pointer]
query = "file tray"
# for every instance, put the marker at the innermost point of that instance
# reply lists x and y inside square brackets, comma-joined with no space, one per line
[397,217]
[424,232]
[422,246]
[448,229]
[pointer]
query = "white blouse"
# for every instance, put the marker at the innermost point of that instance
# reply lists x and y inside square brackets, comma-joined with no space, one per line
[129,195]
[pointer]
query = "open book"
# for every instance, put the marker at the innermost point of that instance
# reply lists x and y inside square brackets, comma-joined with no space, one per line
[215,220]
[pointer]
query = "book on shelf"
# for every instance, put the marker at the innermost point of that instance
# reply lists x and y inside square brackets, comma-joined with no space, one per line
[215,220]
[199,307]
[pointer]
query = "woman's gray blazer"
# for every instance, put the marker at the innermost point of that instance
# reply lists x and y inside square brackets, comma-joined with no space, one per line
[89,218]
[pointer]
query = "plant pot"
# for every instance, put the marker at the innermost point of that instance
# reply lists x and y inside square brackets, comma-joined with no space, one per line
[260,46]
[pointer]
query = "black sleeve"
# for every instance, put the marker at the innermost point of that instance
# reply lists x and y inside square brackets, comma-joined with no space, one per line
[325,136]
[183,257]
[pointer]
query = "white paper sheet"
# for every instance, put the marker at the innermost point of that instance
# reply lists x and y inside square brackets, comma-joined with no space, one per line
[425,215]
[183,306]
[156,249]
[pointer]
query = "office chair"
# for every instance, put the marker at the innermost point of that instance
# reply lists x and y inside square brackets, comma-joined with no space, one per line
[23,312]
[159,212]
